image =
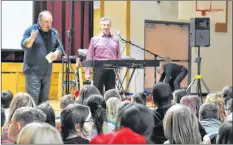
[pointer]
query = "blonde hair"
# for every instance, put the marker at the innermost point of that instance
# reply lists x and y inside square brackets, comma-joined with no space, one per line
[112,108]
[20,100]
[39,133]
[218,99]
[181,125]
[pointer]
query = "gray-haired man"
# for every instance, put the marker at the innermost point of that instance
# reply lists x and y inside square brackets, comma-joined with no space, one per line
[22,117]
[39,41]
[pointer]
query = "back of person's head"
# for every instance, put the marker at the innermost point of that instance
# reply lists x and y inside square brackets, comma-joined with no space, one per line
[111,93]
[66,100]
[227,93]
[98,108]
[218,99]
[27,115]
[86,92]
[20,100]
[22,117]
[162,93]
[113,104]
[178,94]
[6,98]
[139,98]
[73,118]
[225,133]
[3,117]
[39,133]
[209,110]
[229,106]
[136,117]
[181,125]
[49,112]
[192,101]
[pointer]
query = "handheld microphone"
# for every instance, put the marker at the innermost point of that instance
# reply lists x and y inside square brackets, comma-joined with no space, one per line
[54,30]
[119,35]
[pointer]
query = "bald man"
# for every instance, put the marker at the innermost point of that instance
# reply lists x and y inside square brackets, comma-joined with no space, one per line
[38,41]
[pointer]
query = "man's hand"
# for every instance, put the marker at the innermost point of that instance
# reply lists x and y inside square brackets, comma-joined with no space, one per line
[78,63]
[31,39]
[34,34]
[55,55]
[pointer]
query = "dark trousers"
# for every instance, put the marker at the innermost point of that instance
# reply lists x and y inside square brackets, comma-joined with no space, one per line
[175,82]
[104,78]
[38,87]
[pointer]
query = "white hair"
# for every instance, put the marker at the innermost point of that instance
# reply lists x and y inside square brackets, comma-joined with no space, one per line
[39,133]
[43,14]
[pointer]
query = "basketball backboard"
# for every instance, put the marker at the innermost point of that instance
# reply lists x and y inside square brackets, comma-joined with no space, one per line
[190,9]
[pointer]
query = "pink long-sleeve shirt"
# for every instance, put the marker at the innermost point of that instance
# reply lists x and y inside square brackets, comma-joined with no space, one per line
[103,47]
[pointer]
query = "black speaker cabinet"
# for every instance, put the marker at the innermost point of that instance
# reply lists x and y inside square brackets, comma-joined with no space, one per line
[200,32]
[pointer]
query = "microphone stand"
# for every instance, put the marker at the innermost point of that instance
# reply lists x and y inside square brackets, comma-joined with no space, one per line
[155,55]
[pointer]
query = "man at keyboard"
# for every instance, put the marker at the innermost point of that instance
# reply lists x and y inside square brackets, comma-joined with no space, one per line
[104,46]
[173,74]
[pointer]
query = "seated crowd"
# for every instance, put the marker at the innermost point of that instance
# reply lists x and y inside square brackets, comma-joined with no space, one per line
[91,118]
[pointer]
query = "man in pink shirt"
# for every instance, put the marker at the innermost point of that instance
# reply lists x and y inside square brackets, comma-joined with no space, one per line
[104,46]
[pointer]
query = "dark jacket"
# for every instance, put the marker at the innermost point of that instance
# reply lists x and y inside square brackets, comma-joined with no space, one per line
[34,57]
[171,70]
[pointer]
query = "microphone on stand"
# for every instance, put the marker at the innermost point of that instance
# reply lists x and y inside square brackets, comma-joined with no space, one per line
[54,30]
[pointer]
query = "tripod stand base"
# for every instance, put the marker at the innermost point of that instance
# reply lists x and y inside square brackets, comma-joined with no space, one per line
[199,80]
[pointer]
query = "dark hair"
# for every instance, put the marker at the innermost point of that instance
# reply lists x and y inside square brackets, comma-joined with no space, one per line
[49,112]
[97,106]
[3,117]
[70,116]
[139,98]
[225,133]
[86,92]
[227,93]
[230,105]
[6,98]
[162,93]
[66,100]
[178,94]
[136,117]
[111,93]
[209,110]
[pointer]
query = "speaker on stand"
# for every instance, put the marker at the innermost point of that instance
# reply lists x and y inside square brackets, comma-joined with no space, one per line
[199,37]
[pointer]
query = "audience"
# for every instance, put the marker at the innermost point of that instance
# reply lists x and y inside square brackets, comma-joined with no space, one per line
[229,109]
[6,99]
[111,93]
[218,99]
[21,118]
[178,94]
[209,117]
[49,112]
[3,117]
[139,98]
[76,124]
[136,117]
[39,133]
[193,102]
[66,100]
[20,100]
[113,104]
[162,96]
[86,92]
[98,109]
[97,119]
[225,133]
[122,136]
[181,126]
